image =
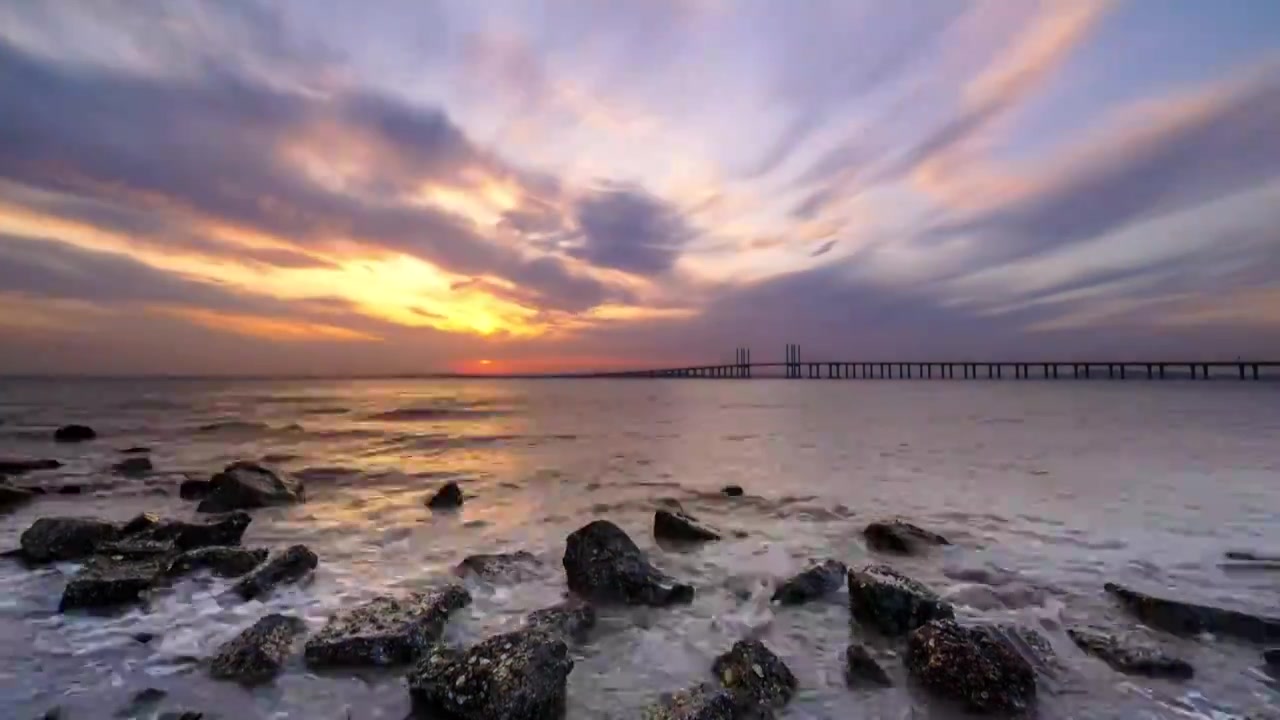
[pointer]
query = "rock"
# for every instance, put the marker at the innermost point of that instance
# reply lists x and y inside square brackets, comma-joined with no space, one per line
[142,703]
[602,563]
[285,567]
[860,668]
[143,637]
[755,677]
[142,522]
[891,602]
[226,530]
[1271,657]
[676,525]
[11,496]
[194,489]
[65,538]
[447,497]
[385,630]
[902,538]
[135,450]
[492,566]
[246,485]
[1184,618]
[105,581]
[130,549]
[182,715]
[731,491]
[1130,658]
[19,466]
[968,665]
[814,582]
[69,490]
[133,466]
[1034,647]
[74,433]
[224,562]
[569,620]
[257,654]
[700,702]
[520,674]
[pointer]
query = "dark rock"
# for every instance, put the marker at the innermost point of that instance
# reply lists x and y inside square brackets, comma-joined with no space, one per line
[1271,657]
[902,538]
[1184,618]
[700,702]
[141,523]
[194,489]
[520,674]
[257,654]
[135,450]
[493,566]
[74,433]
[245,485]
[142,703]
[386,630]
[133,466]
[570,620]
[755,677]
[226,530]
[53,714]
[731,491]
[860,668]
[224,562]
[106,581]
[891,602]
[814,582]
[602,563]
[69,490]
[143,637]
[285,567]
[1034,647]
[447,497]
[968,665]
[1130,658]
[11,496]
[131,549]
[676,525]
[18,466]
[65,538]
[183,715]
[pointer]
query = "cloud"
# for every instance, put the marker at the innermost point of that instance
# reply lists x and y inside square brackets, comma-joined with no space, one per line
[629,230]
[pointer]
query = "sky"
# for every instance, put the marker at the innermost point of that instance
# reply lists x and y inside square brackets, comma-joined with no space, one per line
[415,186]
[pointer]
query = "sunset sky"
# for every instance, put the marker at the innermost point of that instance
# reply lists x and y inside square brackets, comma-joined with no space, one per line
[315,186]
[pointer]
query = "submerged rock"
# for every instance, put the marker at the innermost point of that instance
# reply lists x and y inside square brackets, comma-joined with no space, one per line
[446,498]
[676,525]
[106,581]
[191,489]
[285,567]
[258,653]
[815,581]
[11,496]
[731,491]
[860,668]
[569,620]
[902,538]
[891,602]
[494,566]
[135,450]
[755,677]
[520,674]
[19,466]
[224,562]
[602,563]
[1184,618]
[74,433]
[133,466]
[54,539]
[700,702]
[245,485]
[385,630]
[1130,658]
[970,666]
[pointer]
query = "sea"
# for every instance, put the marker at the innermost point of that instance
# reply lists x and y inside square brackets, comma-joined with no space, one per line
[1046,490]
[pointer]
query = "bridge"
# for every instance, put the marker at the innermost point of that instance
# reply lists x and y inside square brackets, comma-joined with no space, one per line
[794,366]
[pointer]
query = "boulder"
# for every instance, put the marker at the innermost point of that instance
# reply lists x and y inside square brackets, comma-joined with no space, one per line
[1184,618]
[11,496]
[224,562]
[133,467]
[135,549]
[891,602]
[700,702]
[106,581]
[257,654]
[520,674]
[226,530]
[517,565]
[731,491]
[602,563]
[245,485]
[289,566]
[817,580]
[861,669]
[190,489]
[385,630]
[19,466]
[901,538]
[569,620]
[74,433]
[971,667]
[755,677]
[676,525]
[140,523]
[446,498]
[1129,657]
[65,538]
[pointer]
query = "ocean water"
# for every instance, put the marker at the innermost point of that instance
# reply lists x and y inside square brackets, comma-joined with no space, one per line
[1046,489]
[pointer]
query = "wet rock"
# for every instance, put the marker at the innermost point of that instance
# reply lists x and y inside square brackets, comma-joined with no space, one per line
[386,630]
[902,538]
[1128,657]
[184,715]
[143,637]
[569,620]
[676,525]
[131,549]
[142,704]
[756,678]
[65,538]
[971,667]
[289,566]
[133,467]
[519,674]
[106,581]
[245,485]
[190,489]
[446,498]
[69,490]
[500,566]
[700,702]
[1271,657]
[224,562]
[817,580]
[140,523]
[1184,618]
[226,530]
[860,668]
[74,433]
[135,450]
[257,654]
[1030,644]
[602,563]
[11,496]
[731,491]
[19,466]
[891,602]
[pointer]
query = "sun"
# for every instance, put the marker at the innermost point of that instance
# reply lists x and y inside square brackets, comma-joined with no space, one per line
[486,362]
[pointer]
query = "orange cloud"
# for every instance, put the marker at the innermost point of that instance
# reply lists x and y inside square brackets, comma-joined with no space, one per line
[277,329]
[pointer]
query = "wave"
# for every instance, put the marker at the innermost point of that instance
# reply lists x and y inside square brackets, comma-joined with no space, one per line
[413,414]
[233,426]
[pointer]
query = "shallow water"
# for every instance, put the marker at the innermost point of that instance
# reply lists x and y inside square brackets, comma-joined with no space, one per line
[1048,490]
